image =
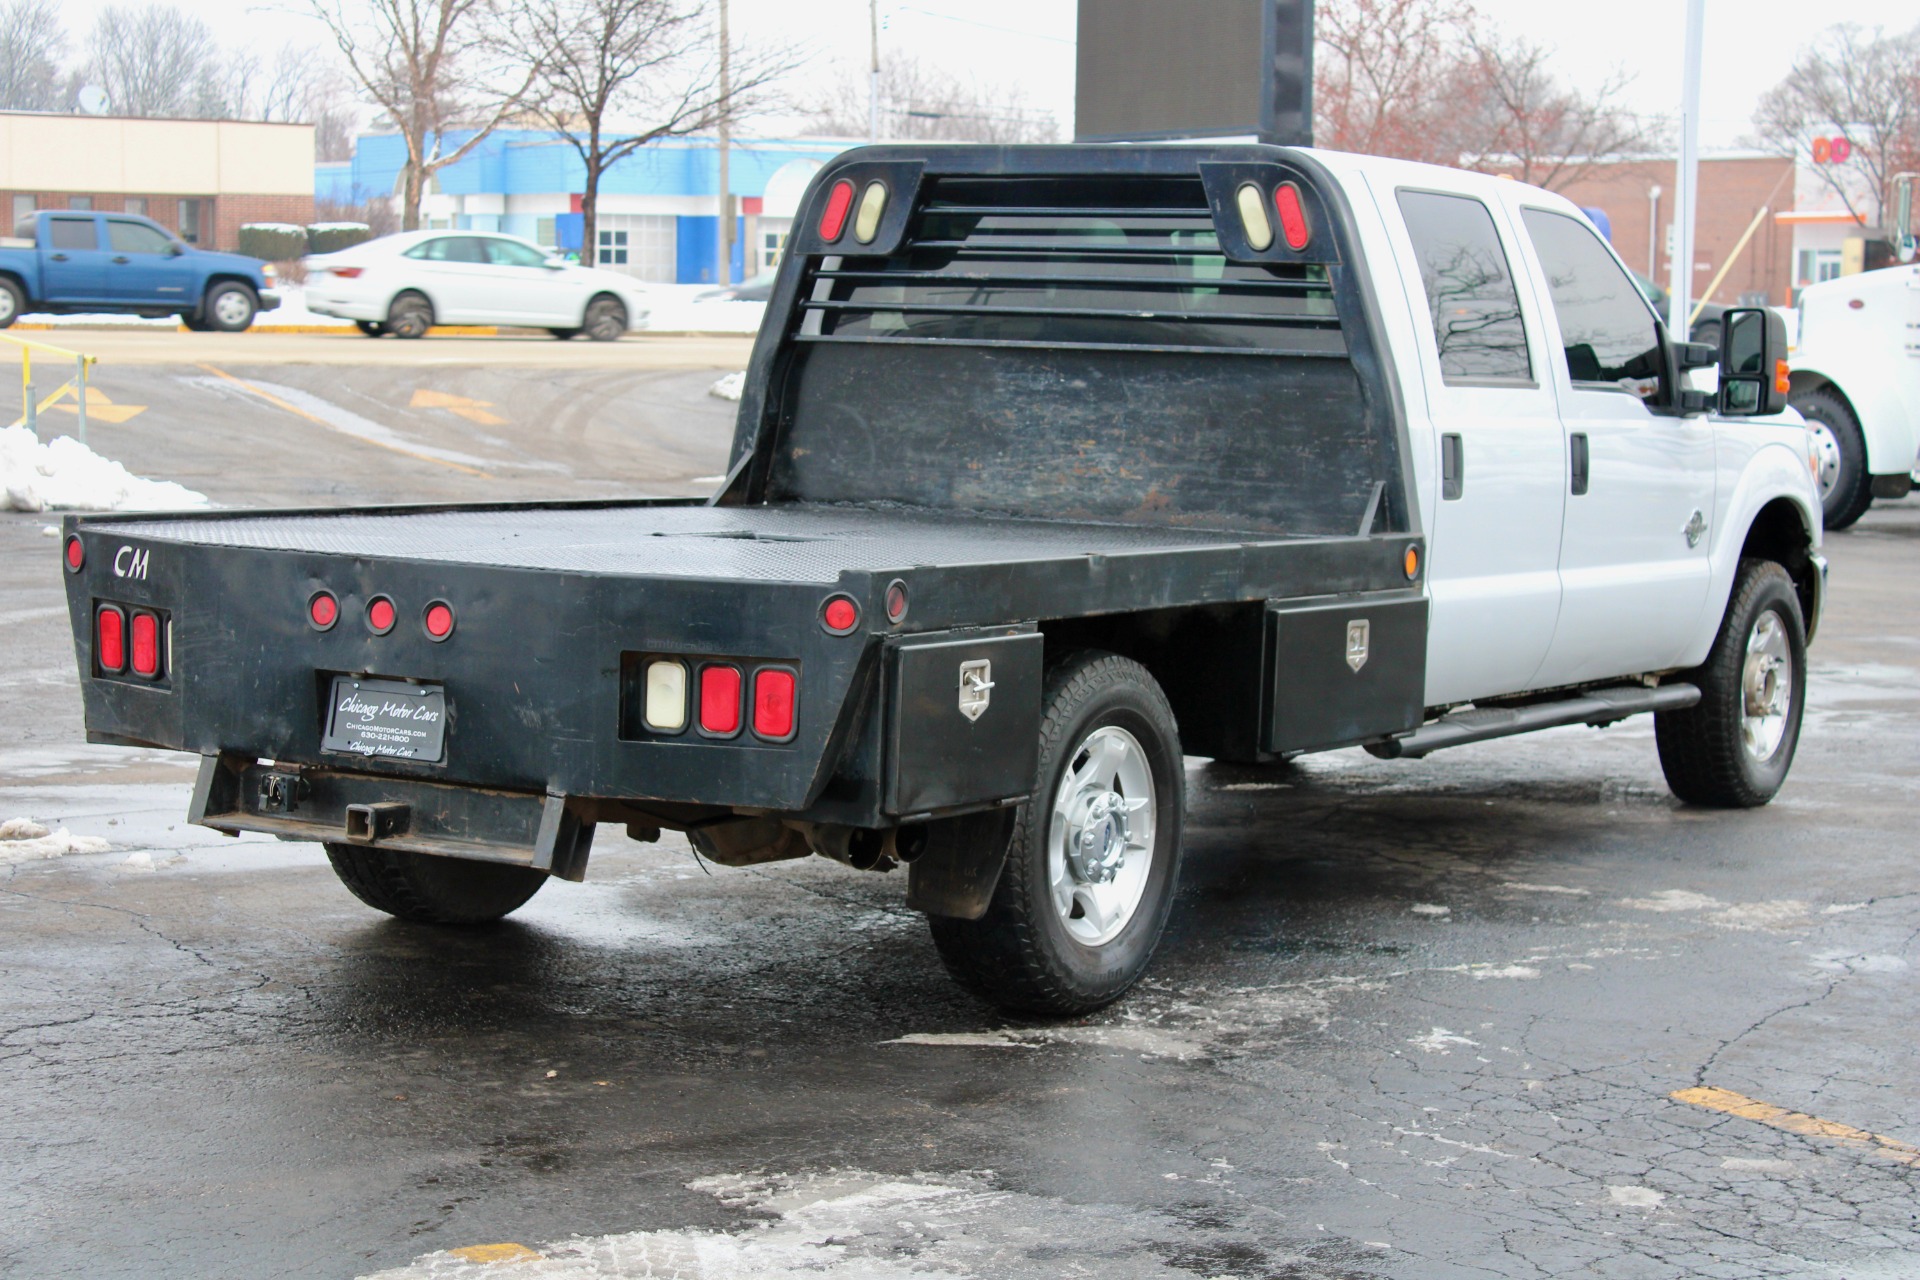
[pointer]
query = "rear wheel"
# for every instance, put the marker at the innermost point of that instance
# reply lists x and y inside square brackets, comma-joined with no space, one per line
[1840,454]
[432,890]
[605,320]
[229,308]
[13,300]
[1733,750]
[564,334]
[1090,875]
[372,328]
[410,316]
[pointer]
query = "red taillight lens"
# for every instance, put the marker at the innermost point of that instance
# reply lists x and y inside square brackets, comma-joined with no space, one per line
[110,639]
[347,273]
[380,615]
[323,611]
[720,700]
[438,620]
[840,615]
[76,555]
[146,645]
[1293,218]
[896,602]
[773,691]
[833,220]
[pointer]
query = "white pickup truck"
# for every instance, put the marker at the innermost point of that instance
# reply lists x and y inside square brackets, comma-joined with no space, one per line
[1053,466]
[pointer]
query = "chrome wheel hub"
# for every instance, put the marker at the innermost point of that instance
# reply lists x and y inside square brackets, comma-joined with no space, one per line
[231,307]
[1826,455]
[1766,687]
[1101,835]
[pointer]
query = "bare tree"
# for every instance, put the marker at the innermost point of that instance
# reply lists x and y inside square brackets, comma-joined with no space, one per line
[432,67]
[305,86]
[654,63]
[920,102]
[1387,76]
[1513,115]
[32,43]
[1856,84]
[161,61]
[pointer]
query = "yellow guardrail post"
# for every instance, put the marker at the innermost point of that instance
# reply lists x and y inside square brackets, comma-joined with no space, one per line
[31,405]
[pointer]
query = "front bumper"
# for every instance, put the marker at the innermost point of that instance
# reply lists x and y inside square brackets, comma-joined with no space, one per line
[269,300]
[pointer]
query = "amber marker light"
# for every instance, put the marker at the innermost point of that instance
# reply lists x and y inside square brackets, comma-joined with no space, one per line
[1782,377]
[1413,563]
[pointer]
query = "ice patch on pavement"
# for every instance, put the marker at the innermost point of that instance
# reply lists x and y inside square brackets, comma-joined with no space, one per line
[1430,909]
[64,475]
[1147,1041]
[1523,887]
[730,387]
[1635,1197]
[1441,1041]
[1670,900]
[24,840]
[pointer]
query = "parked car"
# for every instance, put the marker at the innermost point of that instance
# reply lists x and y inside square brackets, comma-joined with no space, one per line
[62,262]
[405,284]
[1053,466]
[1706,326]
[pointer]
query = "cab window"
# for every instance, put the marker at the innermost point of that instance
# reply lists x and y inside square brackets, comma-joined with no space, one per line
[1470,291]
[511,253]
[136,237]
[72,233]
[1608,334]
[450,249]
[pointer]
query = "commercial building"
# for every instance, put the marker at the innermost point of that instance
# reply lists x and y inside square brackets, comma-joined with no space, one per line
[201,179]
[657,217]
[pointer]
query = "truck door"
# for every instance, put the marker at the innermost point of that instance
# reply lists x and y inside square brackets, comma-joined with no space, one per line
[142,266]
[73,266]
[1640,485]
[1493,569]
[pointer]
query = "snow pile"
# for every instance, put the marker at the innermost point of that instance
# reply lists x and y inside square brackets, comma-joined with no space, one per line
[729,387]
[283,228]
[24,840]
[65,475]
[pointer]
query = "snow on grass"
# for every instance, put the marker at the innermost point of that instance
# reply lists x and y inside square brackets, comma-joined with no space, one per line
[24,840]
[729,387]
[65,475]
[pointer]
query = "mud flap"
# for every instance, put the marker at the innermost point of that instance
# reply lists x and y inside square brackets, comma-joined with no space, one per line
[956,871]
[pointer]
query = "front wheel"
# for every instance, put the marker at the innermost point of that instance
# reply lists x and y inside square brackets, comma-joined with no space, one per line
[426,889]
[1090,875]
[605,320]
[13,300]
[1840,457]
[372,328]
[229,308]
[1733,750]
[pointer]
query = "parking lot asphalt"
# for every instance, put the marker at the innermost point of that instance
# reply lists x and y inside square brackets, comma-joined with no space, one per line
[1509,1012]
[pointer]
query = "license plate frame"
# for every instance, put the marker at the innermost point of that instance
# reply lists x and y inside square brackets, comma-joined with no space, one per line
[386,719]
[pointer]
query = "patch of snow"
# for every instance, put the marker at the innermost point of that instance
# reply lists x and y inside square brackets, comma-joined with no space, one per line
[139,860]
[1147,1041]
[729,387]
[1523,887]
[290,228]
[1744,1164]
[1438,1041]
[1502,971]
[24,840]
[1761,915]
[1841,908]
[1430,909]
[1670,900]
[64,475]
[1636,1197]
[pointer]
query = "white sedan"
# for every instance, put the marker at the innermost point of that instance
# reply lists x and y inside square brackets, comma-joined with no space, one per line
[405,284]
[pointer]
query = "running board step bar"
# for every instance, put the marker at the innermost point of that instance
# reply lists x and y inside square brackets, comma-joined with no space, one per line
[1595,707]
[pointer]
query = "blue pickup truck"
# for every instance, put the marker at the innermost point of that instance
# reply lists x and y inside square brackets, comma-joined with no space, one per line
[65,262]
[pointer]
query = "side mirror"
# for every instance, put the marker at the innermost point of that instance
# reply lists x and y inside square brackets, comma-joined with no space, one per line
[1753,363]
[175,248]
[554,264]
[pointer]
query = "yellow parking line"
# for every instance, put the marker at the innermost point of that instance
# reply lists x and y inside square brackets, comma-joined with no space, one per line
[1738,1104]
[494,1253]
[297,411]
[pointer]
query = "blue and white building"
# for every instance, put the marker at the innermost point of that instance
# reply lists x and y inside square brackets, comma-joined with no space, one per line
[658,214]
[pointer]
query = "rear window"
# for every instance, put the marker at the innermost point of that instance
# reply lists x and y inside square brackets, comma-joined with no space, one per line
[1470,293]
[72,233]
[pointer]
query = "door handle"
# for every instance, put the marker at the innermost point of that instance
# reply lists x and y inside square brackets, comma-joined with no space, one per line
[123,260]
[1582,461]
[1453,467]
[59,257]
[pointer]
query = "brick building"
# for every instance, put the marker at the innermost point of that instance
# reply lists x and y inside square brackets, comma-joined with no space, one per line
[201,179]
[1733,187]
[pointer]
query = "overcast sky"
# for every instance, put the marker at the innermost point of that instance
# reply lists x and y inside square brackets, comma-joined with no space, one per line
[1750,44]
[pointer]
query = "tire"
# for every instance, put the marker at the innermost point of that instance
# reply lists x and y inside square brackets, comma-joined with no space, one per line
[410,316]
[565,335]
[372,328]
[1725,752]
[1846,487]
[228,308]
[425,889]
[13,301]
[1043,946]
[605,320]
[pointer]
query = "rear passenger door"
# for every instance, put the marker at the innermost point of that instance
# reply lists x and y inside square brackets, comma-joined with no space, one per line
[1633,557]
[453,272]
[1493,563]
[73,266]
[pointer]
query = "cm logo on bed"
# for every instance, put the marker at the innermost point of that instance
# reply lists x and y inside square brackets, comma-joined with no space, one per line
[130,562]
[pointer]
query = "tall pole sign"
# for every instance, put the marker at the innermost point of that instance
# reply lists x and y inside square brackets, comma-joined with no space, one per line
[1680,290]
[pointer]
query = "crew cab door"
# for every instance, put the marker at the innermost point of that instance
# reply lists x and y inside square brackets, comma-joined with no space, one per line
[1640,485]
[73,266]
[1493,563]
[143,267]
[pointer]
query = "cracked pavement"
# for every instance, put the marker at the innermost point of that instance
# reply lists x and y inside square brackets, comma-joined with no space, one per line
[1411,1020]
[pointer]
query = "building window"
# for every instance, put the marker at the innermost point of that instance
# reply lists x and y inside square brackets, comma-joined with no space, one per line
[1816,266]
[137,205]
[646,245]
[612,251]
[544,234]
[24,207]
[190,221]
[82,203]
[772,244]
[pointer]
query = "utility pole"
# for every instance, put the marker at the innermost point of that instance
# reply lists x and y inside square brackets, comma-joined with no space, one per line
[1687,180]
[723,272]
[873,73]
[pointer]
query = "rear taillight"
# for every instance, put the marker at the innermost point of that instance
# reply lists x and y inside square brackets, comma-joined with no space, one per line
[1293,218]
[666,696]
[839,615]
[833,219]
[347,273]
[146,645]
[380,615]
[110,639]
[773,696]
[438,620]
[720,700]
[873,203]
[76,555]
[1253,217]
[322,611]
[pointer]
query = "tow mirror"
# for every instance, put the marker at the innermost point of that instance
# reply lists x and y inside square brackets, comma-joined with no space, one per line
[1753,363]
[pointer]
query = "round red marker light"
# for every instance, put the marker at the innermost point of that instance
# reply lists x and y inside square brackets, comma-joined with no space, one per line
[438,620]
[840,615]
[323,611]
[896,602]
[380,615]
[76,555]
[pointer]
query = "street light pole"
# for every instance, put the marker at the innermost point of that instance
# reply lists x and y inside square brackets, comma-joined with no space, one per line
[873,73]
[723,238]
[1688,177]
[1653,233]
